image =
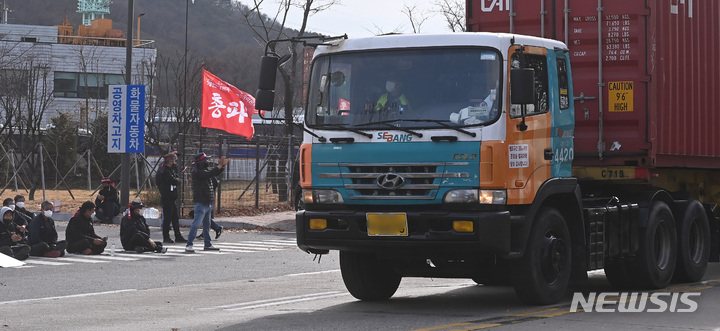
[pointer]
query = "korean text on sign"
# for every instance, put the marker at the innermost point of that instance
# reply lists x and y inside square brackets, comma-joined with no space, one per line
[126,119]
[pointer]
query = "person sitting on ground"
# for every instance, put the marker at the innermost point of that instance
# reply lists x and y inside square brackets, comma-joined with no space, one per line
[43,237]
[9,202]
[22,216]
[20,208]
[107,202]
[135,233]
[80,233]
[10,241]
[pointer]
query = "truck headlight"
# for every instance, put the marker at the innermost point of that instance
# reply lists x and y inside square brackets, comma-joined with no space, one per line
[322,197]
[493,197]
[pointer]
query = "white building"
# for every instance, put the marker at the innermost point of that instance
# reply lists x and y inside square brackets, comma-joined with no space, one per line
[71,71]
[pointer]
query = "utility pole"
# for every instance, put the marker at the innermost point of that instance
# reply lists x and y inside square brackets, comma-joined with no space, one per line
[125,168]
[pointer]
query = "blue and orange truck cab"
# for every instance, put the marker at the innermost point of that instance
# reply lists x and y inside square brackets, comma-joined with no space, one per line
[471,175]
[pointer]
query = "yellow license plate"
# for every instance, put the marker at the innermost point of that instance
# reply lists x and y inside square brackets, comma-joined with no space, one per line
[386,224]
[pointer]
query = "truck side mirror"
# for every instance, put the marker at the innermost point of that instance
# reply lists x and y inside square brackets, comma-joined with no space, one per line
[265,97]
[522,86]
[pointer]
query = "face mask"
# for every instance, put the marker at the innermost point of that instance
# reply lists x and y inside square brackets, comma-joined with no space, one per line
[92,215]
[47,213]
[390,86]
[20,204]
[12,207]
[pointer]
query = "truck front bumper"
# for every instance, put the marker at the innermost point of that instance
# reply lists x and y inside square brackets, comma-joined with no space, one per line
[427,233]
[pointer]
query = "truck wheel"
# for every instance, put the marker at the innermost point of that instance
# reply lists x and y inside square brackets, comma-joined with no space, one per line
[658,248]
[368,278]
[542,275]
[693,244]
[618,274]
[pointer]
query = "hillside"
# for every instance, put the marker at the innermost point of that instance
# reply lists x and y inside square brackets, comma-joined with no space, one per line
[216,34]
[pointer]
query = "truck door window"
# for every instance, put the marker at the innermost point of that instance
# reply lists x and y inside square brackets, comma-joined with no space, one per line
[539,64]
[563,87]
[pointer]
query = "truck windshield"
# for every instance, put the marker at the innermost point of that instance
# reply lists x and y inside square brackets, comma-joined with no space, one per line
[455,87]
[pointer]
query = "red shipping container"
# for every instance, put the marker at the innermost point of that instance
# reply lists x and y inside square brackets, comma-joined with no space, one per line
[646,76]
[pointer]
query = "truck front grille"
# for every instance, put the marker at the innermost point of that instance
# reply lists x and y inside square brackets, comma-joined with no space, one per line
[419,179]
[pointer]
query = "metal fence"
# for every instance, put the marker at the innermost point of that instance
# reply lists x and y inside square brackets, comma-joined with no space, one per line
[259,173]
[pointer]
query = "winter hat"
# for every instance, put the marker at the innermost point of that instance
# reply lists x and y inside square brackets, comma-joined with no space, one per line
[5,210]
[200,158]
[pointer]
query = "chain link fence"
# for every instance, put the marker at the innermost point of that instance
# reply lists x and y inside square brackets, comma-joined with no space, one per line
[259,174]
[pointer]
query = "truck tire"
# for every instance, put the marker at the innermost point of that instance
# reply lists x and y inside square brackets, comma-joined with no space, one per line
[368,278]
[542,275]
[618,274]
[693,244]
[657,256]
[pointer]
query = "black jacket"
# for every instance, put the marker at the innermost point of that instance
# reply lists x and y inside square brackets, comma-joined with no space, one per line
[130,226]
[20,217]
[80,228]
[42,230]
[26,214]
[111,195]
[7,228]
[202,184]
[166,178]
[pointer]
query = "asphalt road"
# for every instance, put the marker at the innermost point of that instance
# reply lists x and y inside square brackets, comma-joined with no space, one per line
[261,281]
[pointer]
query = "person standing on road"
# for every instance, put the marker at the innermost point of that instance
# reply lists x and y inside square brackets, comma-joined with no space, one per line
[203,197]
[167,180]
[43,237]
[107,202]
[135,233]
[10,241]
[80,233]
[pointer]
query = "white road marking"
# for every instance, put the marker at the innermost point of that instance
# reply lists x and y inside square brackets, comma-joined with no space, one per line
[108,257]
[289,301]
[66,296]
[276,301]
[29,261]
[313,273]
[75,259]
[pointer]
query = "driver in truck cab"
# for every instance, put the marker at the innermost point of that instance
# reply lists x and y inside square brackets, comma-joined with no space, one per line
[394,100]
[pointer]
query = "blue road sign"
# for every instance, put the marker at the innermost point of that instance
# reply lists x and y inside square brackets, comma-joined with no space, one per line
[126,119]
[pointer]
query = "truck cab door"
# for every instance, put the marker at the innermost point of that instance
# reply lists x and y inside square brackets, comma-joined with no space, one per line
[529,136]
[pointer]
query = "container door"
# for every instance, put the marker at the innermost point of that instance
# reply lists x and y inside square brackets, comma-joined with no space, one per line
[608,56]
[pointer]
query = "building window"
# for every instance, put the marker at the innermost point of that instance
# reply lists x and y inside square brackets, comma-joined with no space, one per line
[85,85]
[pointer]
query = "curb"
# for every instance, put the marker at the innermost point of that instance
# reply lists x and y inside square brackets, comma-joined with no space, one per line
[283,225]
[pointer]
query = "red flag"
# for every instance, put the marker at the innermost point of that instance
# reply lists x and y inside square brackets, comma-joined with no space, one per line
[225,107]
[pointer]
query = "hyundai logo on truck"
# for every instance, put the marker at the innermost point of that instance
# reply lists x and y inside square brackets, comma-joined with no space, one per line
[390,181]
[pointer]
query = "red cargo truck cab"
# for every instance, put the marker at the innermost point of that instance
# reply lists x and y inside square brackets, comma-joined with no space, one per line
[645,74]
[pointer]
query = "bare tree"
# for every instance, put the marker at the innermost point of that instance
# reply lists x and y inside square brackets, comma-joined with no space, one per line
[25,96]
[268,28]
[166,120]
[416,17]
[454,13]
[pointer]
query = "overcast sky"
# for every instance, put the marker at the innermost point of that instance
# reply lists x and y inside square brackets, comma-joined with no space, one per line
[364,18]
